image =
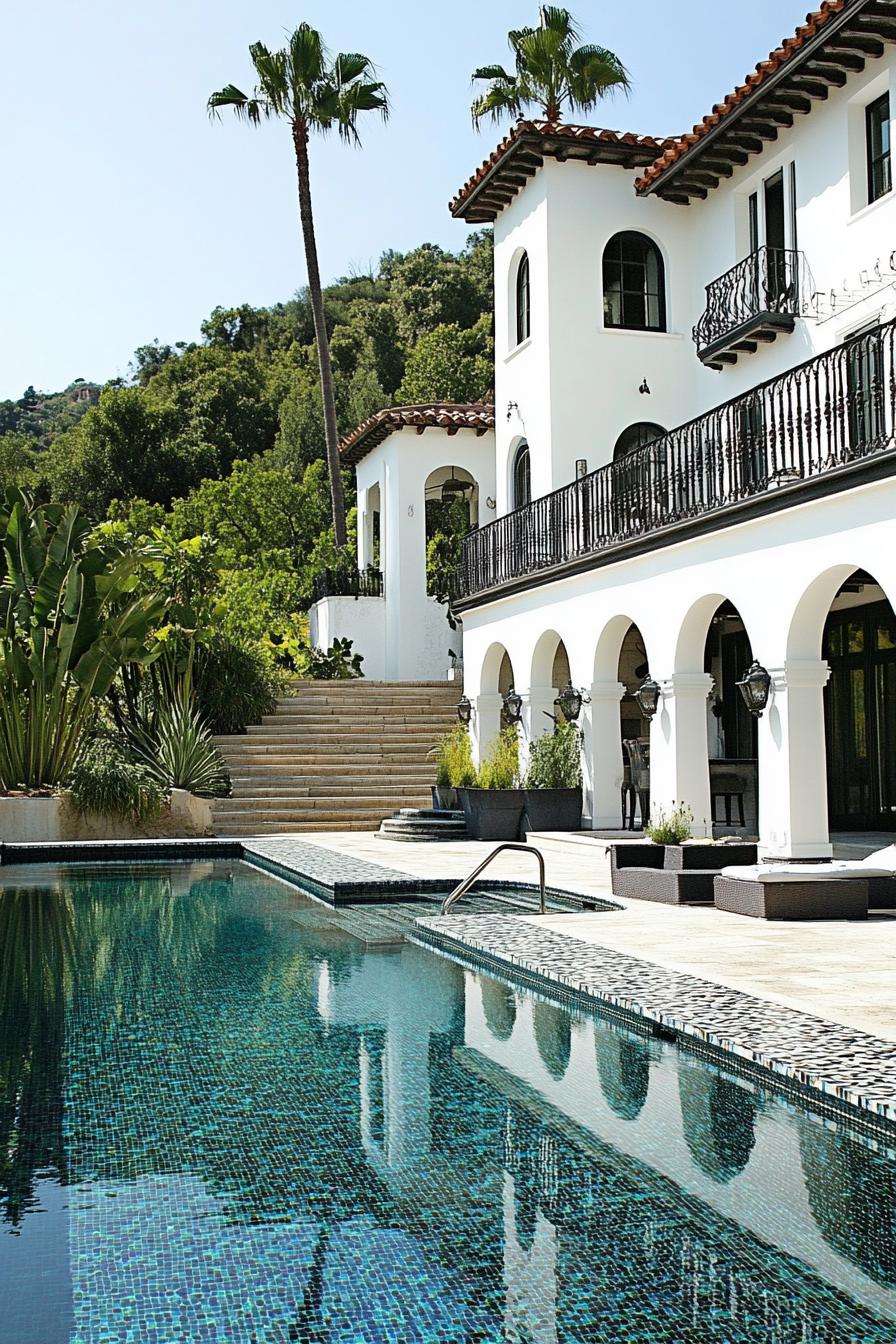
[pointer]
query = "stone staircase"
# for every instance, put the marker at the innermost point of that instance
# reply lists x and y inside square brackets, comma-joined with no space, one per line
[335,756]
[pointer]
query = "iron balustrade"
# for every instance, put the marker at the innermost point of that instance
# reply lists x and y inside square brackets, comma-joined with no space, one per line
[833,410]
[769,280]
[347,583]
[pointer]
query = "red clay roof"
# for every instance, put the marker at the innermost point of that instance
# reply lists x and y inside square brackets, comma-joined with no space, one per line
[789,51]
[525,147]
[479,416]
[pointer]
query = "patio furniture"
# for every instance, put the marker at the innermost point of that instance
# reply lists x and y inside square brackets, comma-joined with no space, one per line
[636,780]
[836,890]
[672,874]
[727,784]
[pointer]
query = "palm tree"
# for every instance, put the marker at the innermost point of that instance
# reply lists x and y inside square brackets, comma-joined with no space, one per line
[315,95]
[552,70]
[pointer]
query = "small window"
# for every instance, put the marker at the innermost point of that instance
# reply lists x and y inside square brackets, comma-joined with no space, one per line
[634,283]
[522,480]
[635,437]
[523,316]
[877,147]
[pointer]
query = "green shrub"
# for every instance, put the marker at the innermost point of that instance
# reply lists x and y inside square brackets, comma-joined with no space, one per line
[182,754]
[671,829]
[107,781]
[337,663]
[235,684]
[454,759]
[500,769]
[555,760]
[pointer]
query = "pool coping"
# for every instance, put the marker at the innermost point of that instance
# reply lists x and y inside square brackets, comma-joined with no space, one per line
[779,1047]
[776,1044]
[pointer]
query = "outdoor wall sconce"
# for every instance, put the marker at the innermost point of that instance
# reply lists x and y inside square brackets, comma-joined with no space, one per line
[648,697]
[570,702]
[755,688]
[465,710]
[513,706]
[644,389]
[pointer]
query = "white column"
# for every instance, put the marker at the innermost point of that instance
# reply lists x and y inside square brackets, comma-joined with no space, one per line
[679,752]
[793,771]
[486,722]
[603,764]
[538,702]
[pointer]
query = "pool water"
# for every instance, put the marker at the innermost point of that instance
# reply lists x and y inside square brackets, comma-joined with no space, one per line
[223,1119]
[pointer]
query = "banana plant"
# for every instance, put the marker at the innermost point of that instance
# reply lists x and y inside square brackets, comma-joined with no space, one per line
[69,621]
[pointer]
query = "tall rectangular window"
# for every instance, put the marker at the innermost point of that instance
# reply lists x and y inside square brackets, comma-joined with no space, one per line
[877,147]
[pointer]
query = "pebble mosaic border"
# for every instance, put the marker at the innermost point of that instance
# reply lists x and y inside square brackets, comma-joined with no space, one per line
[851,1068]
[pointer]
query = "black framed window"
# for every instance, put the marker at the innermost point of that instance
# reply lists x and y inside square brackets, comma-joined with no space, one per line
[634,283]
[523,311]
[635,437]
[522,477]
[877,147]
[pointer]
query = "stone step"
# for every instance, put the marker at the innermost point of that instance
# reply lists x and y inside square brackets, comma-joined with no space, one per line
[240,828]
[369,817]
[294,751]
[329,773]
[366,802]
[339,732]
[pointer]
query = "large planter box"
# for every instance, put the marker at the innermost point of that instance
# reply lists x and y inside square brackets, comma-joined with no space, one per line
[43,820]
[492,814]
[552,809]
[444,798]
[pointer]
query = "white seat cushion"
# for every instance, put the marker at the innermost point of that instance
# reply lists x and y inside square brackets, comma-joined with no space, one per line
[882,858]
[838,870]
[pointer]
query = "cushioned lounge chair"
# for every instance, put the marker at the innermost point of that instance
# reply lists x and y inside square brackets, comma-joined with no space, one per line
[836,890]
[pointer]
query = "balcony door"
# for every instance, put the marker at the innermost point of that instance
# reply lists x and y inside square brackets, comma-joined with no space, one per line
[860,712]
[772,216]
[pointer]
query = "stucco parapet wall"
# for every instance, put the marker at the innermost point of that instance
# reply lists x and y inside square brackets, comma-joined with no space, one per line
[33,820]
[450,416]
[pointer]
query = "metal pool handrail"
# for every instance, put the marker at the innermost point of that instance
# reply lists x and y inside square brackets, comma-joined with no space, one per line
[453,897]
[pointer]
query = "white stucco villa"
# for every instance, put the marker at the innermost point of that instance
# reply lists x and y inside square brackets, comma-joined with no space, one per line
[690,464]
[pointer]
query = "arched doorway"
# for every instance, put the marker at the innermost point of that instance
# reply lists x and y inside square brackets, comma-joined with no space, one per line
[733,750]
[548,675]
[634,731]
[859,646]
[451,504]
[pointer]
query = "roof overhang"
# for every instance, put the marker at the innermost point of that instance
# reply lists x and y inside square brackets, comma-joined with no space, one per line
[523,151]
[449,416]
[833,44]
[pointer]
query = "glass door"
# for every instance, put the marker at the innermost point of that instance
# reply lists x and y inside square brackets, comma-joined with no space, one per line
[860,718]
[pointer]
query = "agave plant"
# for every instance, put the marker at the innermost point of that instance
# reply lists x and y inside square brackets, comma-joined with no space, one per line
[180,754]
[69,620]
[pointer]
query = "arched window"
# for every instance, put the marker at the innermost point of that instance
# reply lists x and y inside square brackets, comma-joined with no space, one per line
[635,437]
[634,283]
[523,315]
[522,481]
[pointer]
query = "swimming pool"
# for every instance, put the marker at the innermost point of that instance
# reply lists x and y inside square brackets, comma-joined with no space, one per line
[223,1119]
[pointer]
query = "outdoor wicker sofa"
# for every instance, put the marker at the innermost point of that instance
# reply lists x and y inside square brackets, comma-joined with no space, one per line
[836,890]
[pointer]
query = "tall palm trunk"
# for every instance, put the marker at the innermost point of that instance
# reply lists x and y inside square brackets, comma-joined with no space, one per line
[337,496]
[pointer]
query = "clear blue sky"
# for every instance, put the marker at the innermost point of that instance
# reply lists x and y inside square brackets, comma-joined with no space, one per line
[128,215]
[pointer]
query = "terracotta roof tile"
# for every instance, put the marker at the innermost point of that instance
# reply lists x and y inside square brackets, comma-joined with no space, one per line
[789,50]
[557,140]
[478,415]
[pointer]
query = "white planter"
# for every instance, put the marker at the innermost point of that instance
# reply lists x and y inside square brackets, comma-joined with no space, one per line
[43,820]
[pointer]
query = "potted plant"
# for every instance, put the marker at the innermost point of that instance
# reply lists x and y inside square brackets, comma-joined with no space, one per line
[493,806]
[454,768]
[553,783]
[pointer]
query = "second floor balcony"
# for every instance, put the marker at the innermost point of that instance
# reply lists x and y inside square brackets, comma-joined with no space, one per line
[752,304]
[819,428]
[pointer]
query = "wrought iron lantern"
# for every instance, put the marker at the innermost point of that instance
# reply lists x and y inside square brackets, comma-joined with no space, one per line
[570,702]
[648,696]
[755,687]
[513,706]
[465,710]
[454,489]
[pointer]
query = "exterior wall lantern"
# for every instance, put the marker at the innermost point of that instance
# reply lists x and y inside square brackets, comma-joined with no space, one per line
[465,710]
[755,687]
[648,696]
[570,702]
[513,706]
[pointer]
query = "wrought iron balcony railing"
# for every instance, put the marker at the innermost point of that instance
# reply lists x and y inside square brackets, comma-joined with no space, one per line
[834,410]
[347,583]
[754,301]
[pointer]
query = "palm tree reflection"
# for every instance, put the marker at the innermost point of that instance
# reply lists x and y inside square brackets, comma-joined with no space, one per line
[36,956]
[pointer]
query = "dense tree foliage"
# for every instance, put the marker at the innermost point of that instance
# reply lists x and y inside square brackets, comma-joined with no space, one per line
[224,438]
